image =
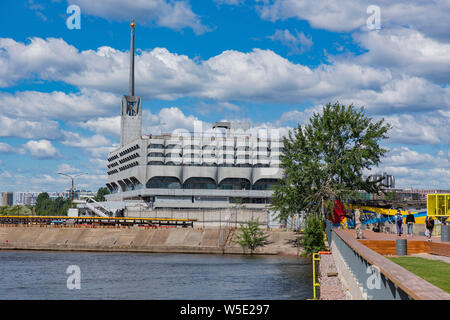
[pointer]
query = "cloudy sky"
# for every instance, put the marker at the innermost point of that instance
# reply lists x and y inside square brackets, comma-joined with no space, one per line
[270,62]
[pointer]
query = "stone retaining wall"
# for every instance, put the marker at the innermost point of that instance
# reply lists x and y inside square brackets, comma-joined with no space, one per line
[132,239]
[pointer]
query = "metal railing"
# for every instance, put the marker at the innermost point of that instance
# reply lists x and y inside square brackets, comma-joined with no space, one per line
[225,231]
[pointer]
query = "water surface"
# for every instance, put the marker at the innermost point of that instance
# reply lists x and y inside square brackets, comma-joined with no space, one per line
[153,276]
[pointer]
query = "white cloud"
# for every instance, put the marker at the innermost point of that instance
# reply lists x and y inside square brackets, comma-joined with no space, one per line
[99,163]
[217,108]
[426,128]
[229,2]
[297,43]
[67,168]
[6,148]
[401,95]
[49,59]
[420,129]
[417,169]
[74,139]
[103,125]
[172,14]
[260,76]
[403,156]
[42,149]
[430,17]
[57,105]
[43,129]
[300,117]
[406,51]
[167,121]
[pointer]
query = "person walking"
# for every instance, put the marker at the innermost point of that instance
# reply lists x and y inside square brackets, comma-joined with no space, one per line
[410,220]
[358,224]
[429,224]
[399,222]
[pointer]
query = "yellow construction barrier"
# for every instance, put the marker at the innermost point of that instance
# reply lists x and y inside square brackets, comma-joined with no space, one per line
[438,205]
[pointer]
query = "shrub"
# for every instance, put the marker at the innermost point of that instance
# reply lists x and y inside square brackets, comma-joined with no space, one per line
[313,237]
[252,236]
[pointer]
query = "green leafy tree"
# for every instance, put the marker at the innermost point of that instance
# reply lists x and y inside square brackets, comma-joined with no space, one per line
[324,160]
[390,195]
[101,194]
[61,206]
[44,205]
[252,236]
[313,237]
[48,207]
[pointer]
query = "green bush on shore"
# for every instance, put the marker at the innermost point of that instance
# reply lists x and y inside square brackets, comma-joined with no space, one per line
[16,210]
[313,237]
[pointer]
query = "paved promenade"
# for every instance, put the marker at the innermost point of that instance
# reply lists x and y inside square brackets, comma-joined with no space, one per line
[331,288]
[370,235]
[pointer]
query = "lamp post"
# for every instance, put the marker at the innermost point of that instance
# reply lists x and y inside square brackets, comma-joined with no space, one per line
[72,178]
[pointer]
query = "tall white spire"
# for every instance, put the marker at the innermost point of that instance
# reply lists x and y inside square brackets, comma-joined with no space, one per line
[131,84]
[131,112]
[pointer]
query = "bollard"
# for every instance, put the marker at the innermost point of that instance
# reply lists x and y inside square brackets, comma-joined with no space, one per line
[401,247]
[445,233]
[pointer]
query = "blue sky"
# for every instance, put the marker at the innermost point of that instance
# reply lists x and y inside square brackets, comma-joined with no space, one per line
[270,62]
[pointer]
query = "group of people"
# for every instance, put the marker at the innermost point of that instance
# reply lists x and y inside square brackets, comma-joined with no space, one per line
[410,220]
[398,219]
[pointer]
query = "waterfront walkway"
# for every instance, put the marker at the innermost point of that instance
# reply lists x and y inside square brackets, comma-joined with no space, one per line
[331,287]
[373,249]
[385,243]
[370,235]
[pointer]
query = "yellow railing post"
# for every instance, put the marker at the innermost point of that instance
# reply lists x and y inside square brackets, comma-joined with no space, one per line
[316,257]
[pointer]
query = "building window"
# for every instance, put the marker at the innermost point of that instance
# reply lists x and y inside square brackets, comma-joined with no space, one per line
[199,183]
[163,183]
[156,154]
[156,146]
[265,184]
[155,163]
[234,184]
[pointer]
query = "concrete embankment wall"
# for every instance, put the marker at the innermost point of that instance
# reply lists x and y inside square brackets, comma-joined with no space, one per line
[131,239]
[205,218]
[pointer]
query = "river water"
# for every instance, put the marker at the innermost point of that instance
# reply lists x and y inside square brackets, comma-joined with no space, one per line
[152,276]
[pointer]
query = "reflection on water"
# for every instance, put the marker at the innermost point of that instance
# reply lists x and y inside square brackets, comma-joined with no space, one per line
[153,276]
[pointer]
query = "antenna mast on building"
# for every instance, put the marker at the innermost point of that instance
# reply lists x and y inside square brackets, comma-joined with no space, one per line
[131,83]
[131,112]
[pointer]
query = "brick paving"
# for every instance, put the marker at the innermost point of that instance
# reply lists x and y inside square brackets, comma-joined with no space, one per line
[330,285]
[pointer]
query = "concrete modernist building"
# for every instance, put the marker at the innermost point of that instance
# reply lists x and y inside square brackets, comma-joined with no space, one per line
[215,167]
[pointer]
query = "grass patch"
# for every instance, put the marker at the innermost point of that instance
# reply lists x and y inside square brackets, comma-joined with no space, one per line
[434,271]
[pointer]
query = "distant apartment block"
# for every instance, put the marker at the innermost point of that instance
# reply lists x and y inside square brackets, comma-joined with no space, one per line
[26,198]
[7,198]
